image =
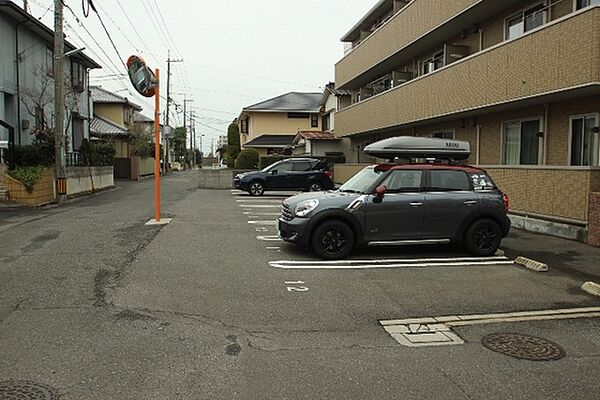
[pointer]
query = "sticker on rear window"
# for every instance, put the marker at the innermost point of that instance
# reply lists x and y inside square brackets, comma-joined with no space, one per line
[481,182]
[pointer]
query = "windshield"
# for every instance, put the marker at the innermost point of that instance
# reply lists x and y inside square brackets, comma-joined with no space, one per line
[361,182]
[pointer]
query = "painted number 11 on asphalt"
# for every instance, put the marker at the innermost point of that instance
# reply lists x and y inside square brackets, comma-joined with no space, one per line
[296,286]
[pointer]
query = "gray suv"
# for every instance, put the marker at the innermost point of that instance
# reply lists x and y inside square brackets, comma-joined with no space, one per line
[399,204]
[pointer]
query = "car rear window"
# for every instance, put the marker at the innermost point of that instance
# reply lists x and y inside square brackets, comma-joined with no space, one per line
[449,180]
[482,182]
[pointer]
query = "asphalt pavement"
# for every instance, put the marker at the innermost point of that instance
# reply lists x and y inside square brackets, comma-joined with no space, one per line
[98,305]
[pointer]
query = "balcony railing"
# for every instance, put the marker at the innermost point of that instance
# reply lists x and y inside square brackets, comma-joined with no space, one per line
[561,55]
[416,19]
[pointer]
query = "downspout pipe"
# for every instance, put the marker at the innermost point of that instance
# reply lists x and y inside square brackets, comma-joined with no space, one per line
[19,131]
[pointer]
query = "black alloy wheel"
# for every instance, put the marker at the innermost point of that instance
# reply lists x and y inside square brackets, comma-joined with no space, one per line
[257,188]
[315,187]
[483,238]
[333,240]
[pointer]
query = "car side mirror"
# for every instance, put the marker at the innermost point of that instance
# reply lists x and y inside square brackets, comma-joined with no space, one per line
[380,192]
[274,172]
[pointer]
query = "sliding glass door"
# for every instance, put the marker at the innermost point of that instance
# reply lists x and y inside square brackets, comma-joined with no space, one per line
[521,142]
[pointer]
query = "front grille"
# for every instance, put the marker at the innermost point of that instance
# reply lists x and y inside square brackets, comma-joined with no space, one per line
[286,213]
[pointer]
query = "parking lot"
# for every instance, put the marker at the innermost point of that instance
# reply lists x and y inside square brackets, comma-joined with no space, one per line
[213,305]
[429,285]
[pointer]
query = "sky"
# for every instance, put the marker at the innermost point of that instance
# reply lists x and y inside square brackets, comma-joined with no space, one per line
[235,53]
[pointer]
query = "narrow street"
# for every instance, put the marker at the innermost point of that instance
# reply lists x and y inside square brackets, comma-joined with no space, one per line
[99,306]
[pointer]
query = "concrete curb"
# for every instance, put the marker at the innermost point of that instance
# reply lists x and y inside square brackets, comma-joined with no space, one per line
[531,264]
[591,288]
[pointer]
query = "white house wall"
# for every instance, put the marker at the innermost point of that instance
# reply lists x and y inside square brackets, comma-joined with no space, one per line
[32,65]
[331,105]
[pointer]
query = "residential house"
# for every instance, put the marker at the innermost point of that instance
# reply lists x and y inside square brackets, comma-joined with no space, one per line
[313,143]
[27,83]
[113,121]
[519,80]
[271,125]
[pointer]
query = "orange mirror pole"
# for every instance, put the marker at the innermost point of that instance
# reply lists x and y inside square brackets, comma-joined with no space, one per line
[157,148]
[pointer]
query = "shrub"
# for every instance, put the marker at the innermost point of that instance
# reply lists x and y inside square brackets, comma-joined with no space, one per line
[233,144]
[28,176]
[40,152]
[97,154]
[247,159]
[265,161]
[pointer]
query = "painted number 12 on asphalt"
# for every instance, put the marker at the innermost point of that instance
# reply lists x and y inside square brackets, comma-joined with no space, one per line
[296,286]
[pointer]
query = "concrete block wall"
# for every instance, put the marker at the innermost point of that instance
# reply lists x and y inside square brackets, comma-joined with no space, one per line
[79,181]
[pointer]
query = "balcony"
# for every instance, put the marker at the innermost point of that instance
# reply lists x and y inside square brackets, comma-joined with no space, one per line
[410,32]
[559,57]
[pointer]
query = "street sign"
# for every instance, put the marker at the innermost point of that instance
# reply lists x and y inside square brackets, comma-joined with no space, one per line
[142,77]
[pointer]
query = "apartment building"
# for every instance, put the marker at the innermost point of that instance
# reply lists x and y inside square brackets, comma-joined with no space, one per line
[518,79]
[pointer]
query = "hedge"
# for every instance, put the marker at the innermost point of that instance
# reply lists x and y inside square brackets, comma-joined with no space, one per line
[247,159]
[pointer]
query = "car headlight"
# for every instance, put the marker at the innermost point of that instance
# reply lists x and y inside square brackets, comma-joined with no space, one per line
[306,207]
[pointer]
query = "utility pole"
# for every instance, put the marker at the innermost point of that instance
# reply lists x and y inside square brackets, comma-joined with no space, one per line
[25,6]
[167,117]
[59,106]
[185,102]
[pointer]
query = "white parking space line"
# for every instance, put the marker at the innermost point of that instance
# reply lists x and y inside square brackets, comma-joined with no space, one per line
[261,213]
[437,331]
[259,206]
[274,223]
[401,263]
[270,238]
[259,201]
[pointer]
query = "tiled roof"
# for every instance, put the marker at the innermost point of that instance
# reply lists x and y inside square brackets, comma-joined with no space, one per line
[101,127]
[275,141]
[139,117]
[289,102]
[101,95]
[316,135]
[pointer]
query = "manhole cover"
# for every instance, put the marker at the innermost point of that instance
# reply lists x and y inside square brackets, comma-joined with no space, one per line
[523,347]
[22,390]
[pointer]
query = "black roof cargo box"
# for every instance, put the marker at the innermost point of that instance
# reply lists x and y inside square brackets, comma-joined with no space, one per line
[419,147]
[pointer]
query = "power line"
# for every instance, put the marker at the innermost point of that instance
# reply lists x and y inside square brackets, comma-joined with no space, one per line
[136,31]
[91,3]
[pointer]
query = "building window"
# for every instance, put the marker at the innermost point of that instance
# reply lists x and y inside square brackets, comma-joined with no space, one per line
[524,21]
[443,135]
[77,77]
[49,62]
[40,119]
[296,115]
[584,140]
[586,3]
[434,63]
[521,142]
[78,135]
[244,126]
[326,122]
[314,120]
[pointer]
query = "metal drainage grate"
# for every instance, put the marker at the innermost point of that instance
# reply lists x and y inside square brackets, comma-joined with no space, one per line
[23,390]
[523,347]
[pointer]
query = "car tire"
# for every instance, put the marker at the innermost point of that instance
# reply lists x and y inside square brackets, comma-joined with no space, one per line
[483,238]
[256,188]
[332,240]
[315,187]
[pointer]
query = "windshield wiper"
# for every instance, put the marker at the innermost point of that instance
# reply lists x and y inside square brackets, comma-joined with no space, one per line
[350,191]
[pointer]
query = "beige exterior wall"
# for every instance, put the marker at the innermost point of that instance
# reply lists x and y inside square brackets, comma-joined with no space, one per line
[416,19]
[275,124]
[497,75]
[536,190]
[111,112]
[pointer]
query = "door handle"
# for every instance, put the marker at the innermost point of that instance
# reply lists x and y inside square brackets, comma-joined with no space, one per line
[470,202]
[416,204]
